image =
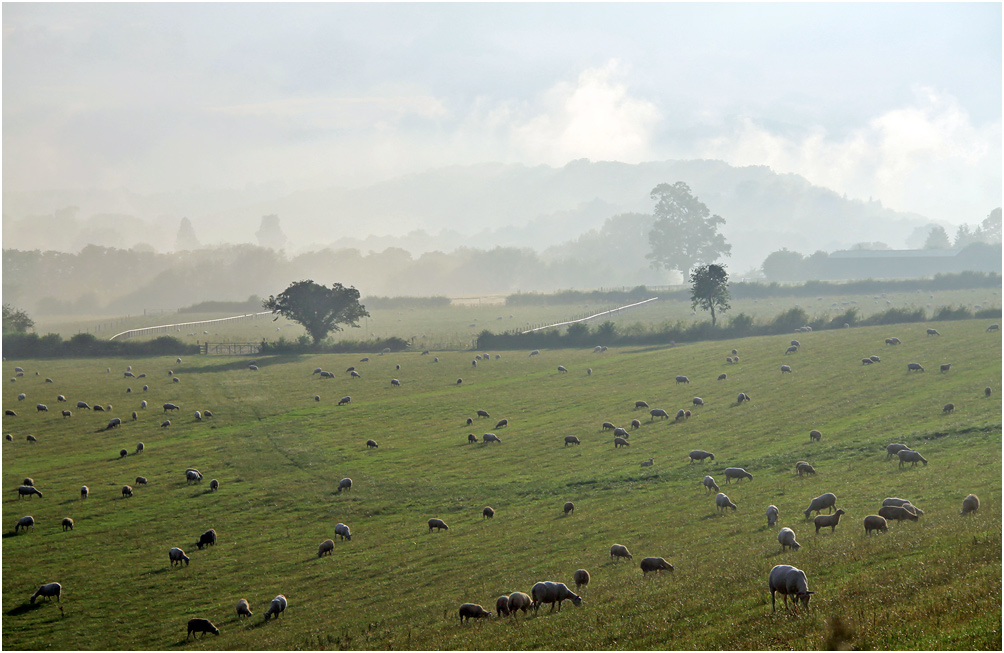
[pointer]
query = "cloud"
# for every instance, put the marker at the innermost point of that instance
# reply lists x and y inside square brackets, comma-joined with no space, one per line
[342,112]
[907,156]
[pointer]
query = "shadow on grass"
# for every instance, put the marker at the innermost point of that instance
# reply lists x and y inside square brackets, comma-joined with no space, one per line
[242,364]
[23,609]
[162,570]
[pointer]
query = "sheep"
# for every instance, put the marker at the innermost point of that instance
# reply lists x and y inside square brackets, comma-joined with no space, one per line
[177,556]
[199,625]
[490,437]
[949,408]
[741,397]
[21,369]
[8,437]
[114,422]
[945,367]
[699,454]
[722,376]
[207,539]
[473,611]
[828,500]
[987,391]
[621,432]
[395,382]
[31,438]
[737,473]
[126,491]
[728,359]
[893,341]
[786,368]
[914,367]
[654,564]
[47,380]
[169,406]
[898,513]
[371,444]
[875,359]
[22,397]
[562,368]
[502,605]
[722,502]
[214,485]
[9,413]
[640,404]
[193,476]
[41,408]
[772,514]
[345,484]
[502,423]
[47,591]
[142,404]
[822,521]
[620,442]
[551,592]
[993,327]
[28,491]
[802,467]
[568,508]
[580,578]
[327,546]
[589,371]
[815,435]
[25,523]
[788,580]
[681,414]
[875,523]
[344,400]
[128,375]
[709,484]
[658,412]
[686,414]
[636,423]
[912,457]
[786,537]
[933,332]
[141,480]
[682,379]
[698,401]
[970,504]
[571,439]
[140,447]
[487,513]
[99,408]
[483,413]
[177,380]
[84,491]
[893,449]
[911,507]
[244,608]
[343,531]
[471,438]
[795,343]
[28,481]
[535,352]
[608,426]
[866,361]
[276,607]
[460,381]
[648,463]
[519,601]
[198,416]
[135,415]
[470,422]
[327,375]
[123,453]
[355,375]
[894,501]
[83,404]
[438,524]
[165,423]
[791,350]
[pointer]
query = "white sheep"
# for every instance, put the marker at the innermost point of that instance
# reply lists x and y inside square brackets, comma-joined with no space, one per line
[875,523]
[723,502]
[912,457]
[709,484]
[276,607]
[176,555]
[914,367]
[618,551]
[737,473]
[84,491]
[343,531]
[551,592]
[244,608]
[970,504]
[25,523]
[519,601]
[786,368]
[47,591]
[786,537]
[772,514]
[699,454]
[828,500]
[345,484]
[788,580]
[491,437]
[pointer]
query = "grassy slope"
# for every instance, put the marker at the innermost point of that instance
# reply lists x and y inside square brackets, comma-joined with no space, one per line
[278,454]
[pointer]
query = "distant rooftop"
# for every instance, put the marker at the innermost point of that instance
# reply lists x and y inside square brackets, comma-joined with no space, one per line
[895,253]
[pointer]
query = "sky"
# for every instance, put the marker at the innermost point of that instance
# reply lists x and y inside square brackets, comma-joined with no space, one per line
[898,102]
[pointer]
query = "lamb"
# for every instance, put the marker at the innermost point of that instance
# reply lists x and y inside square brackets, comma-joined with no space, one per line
[788,580]
[28,481]
[914,367]
[327,546]
[568,507]
[822,521]
[344,400]
[970,504]
[898,513]
[491,437]
[815,435]
[658,412]
[471,438]
[912,457]
[126,491]
[84,491]
[682,379]
[551,592]
[949,408]
[945,367]
[620,442]
[342,531]
[438,524]
[502,423]
[276,607]
[141,480]
[214,485]
[648,463]
[519,601]
[723,502]
[933,332]
[169,406]
[722,376]
[709,484]
[177,556]
[828,500]
[893,449]
[371,444]
[698,401]
[802,467]
[786,537]
[487,513]
[791,350]
[502,605]
[25,523]
[28,490]
[618,551]
[580,578]
[875,523]
[165,423]
[207,539]
[654,564]
[345,484]
[772,514]
[866,361]
[786,368]
[47,591]
[699,454]
[473,611]
[737,473]
[244,608]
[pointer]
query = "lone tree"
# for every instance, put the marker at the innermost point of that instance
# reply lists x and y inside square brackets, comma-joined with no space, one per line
[684,233]
[15,320]
[319,309]
[710,289]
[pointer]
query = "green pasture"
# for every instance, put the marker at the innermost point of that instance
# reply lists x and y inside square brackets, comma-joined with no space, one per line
[455,327]
[279,454]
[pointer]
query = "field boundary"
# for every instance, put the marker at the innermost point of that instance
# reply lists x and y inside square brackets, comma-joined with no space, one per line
[612,310]
[164,327]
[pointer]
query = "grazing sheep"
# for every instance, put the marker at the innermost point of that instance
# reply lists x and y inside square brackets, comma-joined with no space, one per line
[648,463]
[658,412]
[207,539]
[371,444]
[822,521]
[214,485]
[654,564]
[123,453]
[723,502]
[177,556]
[23,396]
[487,513]
[84,491]
[608,426]
[535,352]
[193,476]
[551,592]
[126,491]
[737,473]
[946,366]
[709,484]
[562,368]
[47,591]
[788,580]
[786,368]
[949,408]
[31,438]
[686,414]
[987,391]
[791,350]
[898,513]
[395,382]
[993,327]
[83,404]
[914,367]
[41,408]
[327,546]
[473,611]
[141,480]
[21,369]
[722,377]
[142,404]
[25,523]
[9,413]
[568,507]
[699,454]
[483,413]
[682,379]
[866,361]
[165,423]
[620,442]
[140,447]
[698,401]
[910,506]
[170,406]
[28,491]
[244,608]
[491,437]
[470,421]
[135,415]
[471,438]
[8,437]
[343,532]
[474,363]
[728,359]
[875,523]
[355,375]
[875,359]
[198,416]
[828,500]
[276,607]
[772,514]
[893,341]
[589,371]
[344,400]
[970,504]
[571,439]
[640,404]
[438,524]
[113,423]
[802,467]
[786,537]
[28,481]
[894,501]
[502,423]
[502,605]
[815,435]
[621,432]
[327,375]
[99,408]
[345,484]
[893,449]
[519,601]
[681,414]
[912,457]
[177,380]
[580,578]
[741,397]
[47,380]
[460,381]
[933,332]
[636,423]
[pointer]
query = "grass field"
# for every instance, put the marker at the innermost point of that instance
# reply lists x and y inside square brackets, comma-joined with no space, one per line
[279,454]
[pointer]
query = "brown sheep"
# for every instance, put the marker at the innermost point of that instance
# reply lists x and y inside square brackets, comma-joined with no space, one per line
[875,523]
[822,521]
[654,564]
[580,577]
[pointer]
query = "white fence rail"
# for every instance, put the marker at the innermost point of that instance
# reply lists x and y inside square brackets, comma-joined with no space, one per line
[613,310]
[165,328]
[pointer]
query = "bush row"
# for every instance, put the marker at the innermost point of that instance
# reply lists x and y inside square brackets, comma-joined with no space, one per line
[303,345]
[87,345]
